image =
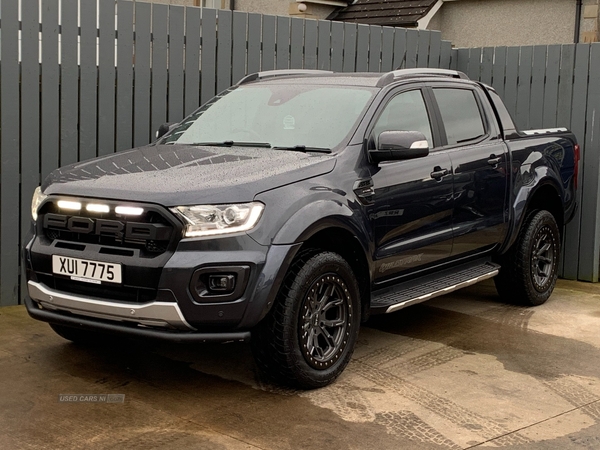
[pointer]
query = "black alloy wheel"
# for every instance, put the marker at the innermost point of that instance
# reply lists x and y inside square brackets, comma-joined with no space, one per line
[308,337]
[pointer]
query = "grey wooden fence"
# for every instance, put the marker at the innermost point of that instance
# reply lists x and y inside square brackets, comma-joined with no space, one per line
[546,87]
[100,85]
[105,85]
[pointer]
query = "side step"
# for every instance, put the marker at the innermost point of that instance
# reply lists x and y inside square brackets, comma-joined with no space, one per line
[425,288]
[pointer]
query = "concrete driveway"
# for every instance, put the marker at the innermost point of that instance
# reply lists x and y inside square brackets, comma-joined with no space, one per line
[461,371]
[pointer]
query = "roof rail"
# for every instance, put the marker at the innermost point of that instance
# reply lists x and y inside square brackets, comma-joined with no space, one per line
[276,73]
[415,73]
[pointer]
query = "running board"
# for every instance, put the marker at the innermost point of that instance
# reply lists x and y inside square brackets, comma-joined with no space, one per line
[426,288]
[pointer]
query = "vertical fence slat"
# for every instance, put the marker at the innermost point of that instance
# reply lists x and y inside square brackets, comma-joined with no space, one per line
[208,60]
[142,74]
[387,49]
[125,75]
[565,85]
[296,43]
[50,87]
[9,150]
[445,54]
[569,262]
[589,255]
[310,44]
[454,59]
[30,115]
[551,88]
[283,43]
[254,42]
[106,78]
[192,59]
[487,65]
[412,42]
[399,49]
[175,64]
[435,44]
[224,28]
[573,236]
[324,45]
[462,60]
[538,74]
[423,48]
[589,242]
[374,48]
[362,48]
[160,15]
[524,87]
[337,46]
[268,43]
[238,64]
[350,34]
[512,77]
[474,71]
[69,83]
[499,70]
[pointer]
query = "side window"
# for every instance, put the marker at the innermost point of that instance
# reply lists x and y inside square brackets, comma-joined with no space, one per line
[460,114]
[405,112]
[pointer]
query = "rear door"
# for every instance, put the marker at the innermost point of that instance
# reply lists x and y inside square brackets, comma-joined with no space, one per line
[480,167]
[411,213]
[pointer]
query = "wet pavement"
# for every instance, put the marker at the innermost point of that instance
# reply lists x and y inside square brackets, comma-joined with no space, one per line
[460,371]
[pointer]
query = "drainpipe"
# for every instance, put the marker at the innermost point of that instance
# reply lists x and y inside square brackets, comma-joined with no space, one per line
[232,4]
[578,20]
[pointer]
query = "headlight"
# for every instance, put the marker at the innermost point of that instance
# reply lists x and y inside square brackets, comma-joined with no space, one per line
[36,201]
[209,220]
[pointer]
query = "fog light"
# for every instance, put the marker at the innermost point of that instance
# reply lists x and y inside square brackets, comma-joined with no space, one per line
[223,284]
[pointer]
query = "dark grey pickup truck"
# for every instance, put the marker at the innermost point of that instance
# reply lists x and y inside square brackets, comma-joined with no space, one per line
[295,204]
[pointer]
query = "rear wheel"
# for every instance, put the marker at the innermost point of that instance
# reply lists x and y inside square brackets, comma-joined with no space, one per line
[530,268]
[308,338]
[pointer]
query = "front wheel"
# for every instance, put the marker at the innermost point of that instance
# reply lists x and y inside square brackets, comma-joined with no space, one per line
[308,338]
[530,268]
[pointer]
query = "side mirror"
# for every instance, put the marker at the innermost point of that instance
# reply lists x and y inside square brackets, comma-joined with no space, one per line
[164,129]
[399,145]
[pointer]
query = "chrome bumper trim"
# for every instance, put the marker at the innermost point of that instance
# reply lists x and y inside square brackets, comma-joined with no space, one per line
[153,314]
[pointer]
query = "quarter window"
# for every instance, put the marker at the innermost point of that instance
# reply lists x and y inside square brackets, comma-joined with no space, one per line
[405,112]
[460,114]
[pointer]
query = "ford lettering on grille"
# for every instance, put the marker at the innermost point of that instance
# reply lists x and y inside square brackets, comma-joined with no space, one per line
[106,227]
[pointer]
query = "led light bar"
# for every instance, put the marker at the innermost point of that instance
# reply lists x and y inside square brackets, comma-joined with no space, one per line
[129,210]
[65,204]
[95,207]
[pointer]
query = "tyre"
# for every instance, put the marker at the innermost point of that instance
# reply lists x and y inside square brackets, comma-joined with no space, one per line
[529,269]
[308,337]
[78,335]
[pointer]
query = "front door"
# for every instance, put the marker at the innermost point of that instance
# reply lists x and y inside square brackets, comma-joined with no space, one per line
[411,214]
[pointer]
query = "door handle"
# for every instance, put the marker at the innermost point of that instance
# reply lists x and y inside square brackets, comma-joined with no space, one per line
[438,173]
[494,160]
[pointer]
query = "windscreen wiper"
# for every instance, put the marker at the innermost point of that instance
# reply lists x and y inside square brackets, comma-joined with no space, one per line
[304,148]
[232,144]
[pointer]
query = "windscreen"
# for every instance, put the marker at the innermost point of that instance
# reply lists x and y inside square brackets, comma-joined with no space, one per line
[280,115]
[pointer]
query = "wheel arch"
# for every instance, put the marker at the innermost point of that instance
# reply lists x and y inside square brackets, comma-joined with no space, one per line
[545,195]
[346,244]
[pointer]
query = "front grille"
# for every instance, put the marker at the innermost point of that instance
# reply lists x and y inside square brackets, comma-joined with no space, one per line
[150,234]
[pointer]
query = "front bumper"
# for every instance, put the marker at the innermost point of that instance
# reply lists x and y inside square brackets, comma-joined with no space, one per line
[153,314]
[116,328]
[175,311]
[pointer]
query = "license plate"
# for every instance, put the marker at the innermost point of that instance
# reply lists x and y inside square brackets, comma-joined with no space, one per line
[85,270]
